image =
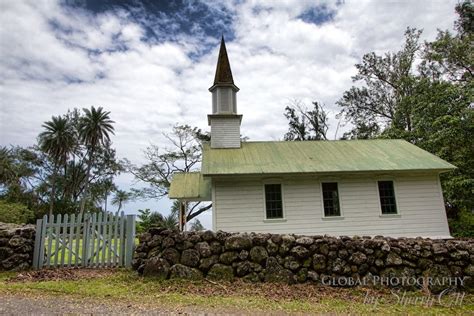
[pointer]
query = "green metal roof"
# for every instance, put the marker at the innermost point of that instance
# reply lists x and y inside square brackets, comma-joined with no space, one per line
[190,186]
[282,157]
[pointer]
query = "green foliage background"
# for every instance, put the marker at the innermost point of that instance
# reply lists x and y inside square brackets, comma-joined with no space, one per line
[15,213]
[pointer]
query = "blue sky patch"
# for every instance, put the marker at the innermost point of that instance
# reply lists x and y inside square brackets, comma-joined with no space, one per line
[318,15]
[167,20]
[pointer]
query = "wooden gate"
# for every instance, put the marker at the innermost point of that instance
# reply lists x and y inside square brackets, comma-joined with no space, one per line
[96,240]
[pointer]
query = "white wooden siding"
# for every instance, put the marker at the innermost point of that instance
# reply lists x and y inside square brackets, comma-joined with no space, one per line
[225,132]
[239,207]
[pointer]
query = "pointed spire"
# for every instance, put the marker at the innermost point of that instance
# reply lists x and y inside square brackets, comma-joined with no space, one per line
[223,72]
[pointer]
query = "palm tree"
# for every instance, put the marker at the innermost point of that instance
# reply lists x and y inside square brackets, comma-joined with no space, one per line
[94,129]
[7,165]
[58,142]
[157,219]
[109,187]
[120,198]
[196,226]
[170,221]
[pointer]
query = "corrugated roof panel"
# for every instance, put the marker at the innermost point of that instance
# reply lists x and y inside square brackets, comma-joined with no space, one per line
[190,186]
[320,157]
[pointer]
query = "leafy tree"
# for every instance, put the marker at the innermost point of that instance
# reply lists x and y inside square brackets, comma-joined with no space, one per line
[58,141]
[143,222]
[184,155]
[383,96]
[363,130]
[8,173]
[15,213]
[462,225]
[94,129]
[306,124]
[21,171]
[450,55]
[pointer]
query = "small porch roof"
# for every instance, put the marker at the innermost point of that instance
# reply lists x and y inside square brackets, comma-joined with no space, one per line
[190,186]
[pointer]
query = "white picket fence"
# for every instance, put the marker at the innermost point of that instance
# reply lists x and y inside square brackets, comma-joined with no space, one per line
[96,240]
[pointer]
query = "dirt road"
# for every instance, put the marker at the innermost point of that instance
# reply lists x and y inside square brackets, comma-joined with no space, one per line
[36,305]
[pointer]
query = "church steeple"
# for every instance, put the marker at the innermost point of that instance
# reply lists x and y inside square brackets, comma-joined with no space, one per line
[224,120]
[223,72]
[224,98]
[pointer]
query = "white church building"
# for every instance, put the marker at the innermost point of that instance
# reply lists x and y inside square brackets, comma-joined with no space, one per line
[345,187]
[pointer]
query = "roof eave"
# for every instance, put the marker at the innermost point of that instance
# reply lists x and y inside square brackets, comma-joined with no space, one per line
[229,85]
[435,170]
[231,115]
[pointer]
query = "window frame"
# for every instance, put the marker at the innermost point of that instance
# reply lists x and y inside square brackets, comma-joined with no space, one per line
[277,219]
[379,202]
[323,211]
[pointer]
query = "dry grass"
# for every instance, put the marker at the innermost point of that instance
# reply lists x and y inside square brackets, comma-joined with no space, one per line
[108,285]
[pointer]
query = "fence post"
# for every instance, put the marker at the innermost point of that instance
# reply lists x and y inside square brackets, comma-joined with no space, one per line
[85,241]
[93,239]
[116,240]
[71,239]
[122,240]
[57,231]
[38,244]
[44,222]
[63,238]
[49,234]
[130,240]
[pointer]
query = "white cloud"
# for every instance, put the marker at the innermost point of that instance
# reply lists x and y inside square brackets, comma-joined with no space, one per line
[54,58]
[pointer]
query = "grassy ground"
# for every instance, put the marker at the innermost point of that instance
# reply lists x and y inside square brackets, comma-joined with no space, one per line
[100,256]
[111,286]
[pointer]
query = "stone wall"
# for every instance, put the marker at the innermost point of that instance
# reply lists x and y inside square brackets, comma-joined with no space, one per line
[289,258]
[16,246]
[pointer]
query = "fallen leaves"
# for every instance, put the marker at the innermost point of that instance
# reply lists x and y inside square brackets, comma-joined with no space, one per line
[61,274]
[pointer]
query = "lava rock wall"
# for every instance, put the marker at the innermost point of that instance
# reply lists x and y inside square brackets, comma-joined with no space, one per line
[256,257]
[16,246]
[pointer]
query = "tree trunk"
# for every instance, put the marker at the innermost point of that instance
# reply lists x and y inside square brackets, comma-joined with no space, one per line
[105,200]
[86,187]
[53,192]
[185,215]
[182,216]
[84,197]
[63,194]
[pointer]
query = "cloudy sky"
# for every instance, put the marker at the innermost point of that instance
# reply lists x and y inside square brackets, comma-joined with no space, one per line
[151,62]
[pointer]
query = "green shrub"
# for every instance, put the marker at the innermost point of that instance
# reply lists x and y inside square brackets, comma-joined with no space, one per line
[15,213]
[463,225]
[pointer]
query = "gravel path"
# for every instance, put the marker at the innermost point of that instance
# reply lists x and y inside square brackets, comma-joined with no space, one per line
[31,305]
